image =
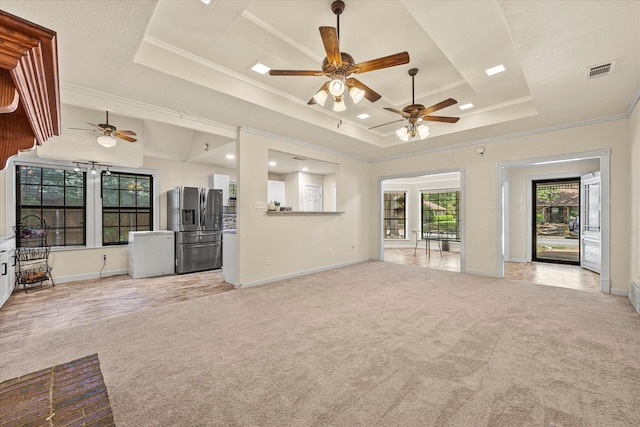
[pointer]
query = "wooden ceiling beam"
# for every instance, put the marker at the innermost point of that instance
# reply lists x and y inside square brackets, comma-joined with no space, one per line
[29,53]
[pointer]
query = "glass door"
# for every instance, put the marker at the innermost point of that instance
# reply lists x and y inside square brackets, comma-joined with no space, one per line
[556,223]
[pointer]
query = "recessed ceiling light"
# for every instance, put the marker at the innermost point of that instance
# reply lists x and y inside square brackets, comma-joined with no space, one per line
[494,70]
[206,1]
[363,116]
[260,68]
[230,156]
[466,106]
[272,163]
[305,169]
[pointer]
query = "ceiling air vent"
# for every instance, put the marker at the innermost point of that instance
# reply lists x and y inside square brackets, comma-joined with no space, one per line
[600,70]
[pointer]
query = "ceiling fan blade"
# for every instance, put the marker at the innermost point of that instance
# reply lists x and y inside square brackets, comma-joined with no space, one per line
[295,73]
[438,106]
[384,62]
[90,130]
[122,136]
[324,87]
[440,119]
[402,113]
[101,127]
[384,124]
[331,44]
[369,93]
[127,132]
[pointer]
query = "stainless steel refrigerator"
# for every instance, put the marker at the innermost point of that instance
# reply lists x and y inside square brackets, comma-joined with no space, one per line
[195,214]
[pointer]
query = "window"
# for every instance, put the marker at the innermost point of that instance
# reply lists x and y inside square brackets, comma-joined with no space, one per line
[56,195]
[127,202]
[441,213]
[395,215]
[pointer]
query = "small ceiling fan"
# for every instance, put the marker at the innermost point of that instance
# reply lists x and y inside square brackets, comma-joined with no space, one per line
[338,66]
[416,113]
[108,131]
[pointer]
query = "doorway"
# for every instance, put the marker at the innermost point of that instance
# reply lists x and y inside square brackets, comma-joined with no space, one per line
[421,220]
[515,213]
[556,223]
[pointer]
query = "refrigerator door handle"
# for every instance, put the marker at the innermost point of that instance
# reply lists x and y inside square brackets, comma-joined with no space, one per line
[203,210]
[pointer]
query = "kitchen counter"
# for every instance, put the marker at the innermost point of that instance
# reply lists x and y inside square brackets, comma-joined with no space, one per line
[302,213]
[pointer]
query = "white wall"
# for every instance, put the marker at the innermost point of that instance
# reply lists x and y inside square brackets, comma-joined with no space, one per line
[328,192]
[481,232]
[634,225]
[518,198]
[180,174]
[303,243]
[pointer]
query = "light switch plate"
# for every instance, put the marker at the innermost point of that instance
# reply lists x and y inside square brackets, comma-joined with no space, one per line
[260,205]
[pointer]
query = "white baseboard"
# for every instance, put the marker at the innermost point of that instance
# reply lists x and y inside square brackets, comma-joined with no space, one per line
[516,259]
[634,295]
[619,292]
[299,273]
[89,276]
[480,273]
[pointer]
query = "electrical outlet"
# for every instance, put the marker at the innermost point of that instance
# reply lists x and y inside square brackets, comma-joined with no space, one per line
[331,250]
[104,257]
[268,260]
[492,255]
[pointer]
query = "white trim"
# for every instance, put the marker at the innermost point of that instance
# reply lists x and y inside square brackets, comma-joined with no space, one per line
[89,276]
[80,96]
[516,259]
[619,292]
[501,138]
[481,273]
[462,220]
[605,165]
[634,295]
[304,144]
[93,203]
[299,273]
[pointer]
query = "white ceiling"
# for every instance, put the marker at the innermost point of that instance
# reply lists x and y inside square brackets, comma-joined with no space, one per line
[183,67]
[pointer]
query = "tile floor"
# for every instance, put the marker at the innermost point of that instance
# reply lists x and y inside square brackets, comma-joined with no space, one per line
[562,275]
[69,304]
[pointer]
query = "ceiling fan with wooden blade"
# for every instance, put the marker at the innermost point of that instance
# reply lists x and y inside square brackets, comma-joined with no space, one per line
[108,131]
[416,113]
[338,66]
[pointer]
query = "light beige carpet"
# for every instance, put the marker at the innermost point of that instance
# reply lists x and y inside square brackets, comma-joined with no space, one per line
[370,344]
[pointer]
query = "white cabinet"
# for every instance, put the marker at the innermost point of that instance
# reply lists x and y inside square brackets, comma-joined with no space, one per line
[7,269]
[221,182]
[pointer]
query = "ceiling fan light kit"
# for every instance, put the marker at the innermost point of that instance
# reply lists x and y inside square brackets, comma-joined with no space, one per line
[356,94]
[336,87]
[321,97]
[106,141]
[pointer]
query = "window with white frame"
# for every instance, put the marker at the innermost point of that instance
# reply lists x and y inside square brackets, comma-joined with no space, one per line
[395,215]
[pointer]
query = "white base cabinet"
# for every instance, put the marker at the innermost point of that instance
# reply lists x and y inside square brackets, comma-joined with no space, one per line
[7,271]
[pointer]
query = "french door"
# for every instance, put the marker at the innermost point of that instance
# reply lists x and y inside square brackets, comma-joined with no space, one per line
[590,227]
